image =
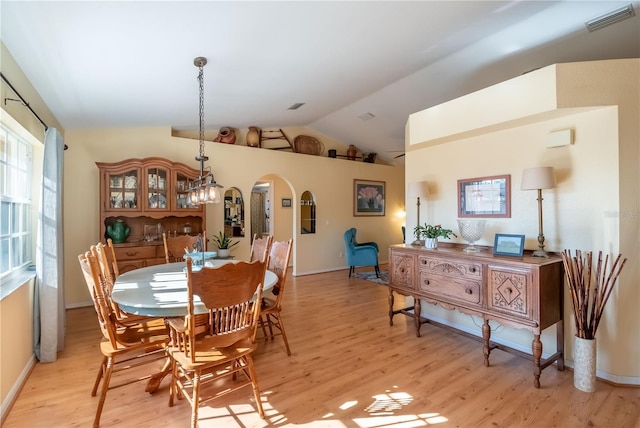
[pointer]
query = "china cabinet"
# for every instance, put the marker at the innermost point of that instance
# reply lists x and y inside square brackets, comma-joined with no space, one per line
[521,292]
[150,196]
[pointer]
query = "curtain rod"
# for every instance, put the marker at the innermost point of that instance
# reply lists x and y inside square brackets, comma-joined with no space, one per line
[24,102]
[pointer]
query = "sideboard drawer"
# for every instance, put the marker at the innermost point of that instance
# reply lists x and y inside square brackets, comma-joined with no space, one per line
[451,268]
[456,288]
[134,253]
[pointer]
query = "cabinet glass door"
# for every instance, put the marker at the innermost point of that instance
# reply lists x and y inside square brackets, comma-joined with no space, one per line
[157,186]
[123,190]
[182,184]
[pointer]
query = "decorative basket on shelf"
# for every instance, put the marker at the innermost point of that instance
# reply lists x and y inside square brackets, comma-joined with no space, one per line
[307,145]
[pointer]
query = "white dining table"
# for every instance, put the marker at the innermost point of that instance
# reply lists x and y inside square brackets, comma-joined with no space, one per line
[161,290]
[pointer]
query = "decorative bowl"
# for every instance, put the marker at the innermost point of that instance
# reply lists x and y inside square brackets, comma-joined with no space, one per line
[471,231]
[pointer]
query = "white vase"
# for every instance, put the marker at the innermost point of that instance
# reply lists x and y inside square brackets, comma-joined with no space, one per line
[431,243]
[223,252]
[584,364]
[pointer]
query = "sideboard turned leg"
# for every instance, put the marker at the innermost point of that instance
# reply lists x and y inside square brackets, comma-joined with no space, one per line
[536,348]
[391,301]
[560,344]
[486,335]
[417,309]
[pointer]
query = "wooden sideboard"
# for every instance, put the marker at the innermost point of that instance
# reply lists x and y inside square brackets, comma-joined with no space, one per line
[150,196]
[520,292]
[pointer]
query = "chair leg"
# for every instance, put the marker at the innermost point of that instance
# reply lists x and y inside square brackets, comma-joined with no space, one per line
[262,325]
[377,271]
[174,379]
[270,323]
[352,269]
[254,385]
[103,393]
[103,365]
[284,335]
[195,399]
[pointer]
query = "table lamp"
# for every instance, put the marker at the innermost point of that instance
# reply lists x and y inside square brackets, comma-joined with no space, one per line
[537,179]
[418,189]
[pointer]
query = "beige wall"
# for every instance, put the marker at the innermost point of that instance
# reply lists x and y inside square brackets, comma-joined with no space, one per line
[594,207]
[330,180]
[16,339]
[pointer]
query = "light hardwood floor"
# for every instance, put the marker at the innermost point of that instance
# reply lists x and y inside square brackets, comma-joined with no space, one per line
[349,368]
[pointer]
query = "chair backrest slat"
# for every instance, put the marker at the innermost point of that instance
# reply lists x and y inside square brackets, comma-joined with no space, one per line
[228,292]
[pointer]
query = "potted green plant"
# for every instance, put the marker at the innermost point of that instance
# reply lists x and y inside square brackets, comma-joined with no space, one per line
[224,243]
[431,234]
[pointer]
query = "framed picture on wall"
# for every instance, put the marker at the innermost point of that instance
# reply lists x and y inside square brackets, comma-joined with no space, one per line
[485,196]
[368,198]
[508,245]
[286,202]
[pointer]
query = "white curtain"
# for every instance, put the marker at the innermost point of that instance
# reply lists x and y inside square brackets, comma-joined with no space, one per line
[49,315]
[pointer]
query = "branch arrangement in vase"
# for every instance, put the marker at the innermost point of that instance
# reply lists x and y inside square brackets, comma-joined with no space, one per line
[590,289]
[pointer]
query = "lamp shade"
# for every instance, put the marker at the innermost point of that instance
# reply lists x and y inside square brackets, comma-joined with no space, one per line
[538,178]
[418,189]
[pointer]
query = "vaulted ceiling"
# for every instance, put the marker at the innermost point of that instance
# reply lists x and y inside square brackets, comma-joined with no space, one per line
[130,63]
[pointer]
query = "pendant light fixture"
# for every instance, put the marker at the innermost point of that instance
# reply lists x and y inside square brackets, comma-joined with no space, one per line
[204,189]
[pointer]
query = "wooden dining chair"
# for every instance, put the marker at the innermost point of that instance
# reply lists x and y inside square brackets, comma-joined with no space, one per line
[122,319]
[224,350]
[174,247]
[122,348]
[271,312]
[260,248]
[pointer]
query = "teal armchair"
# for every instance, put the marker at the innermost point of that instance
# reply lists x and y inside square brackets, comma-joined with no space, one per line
[363,254]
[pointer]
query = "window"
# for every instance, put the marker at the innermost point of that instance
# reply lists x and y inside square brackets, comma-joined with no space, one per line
[15,203]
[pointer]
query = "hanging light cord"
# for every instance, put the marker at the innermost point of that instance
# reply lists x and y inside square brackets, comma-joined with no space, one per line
[201,62]
[203,190]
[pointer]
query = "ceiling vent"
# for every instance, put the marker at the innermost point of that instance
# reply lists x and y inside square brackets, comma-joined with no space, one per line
[366,116]
[295,106]
[611,18]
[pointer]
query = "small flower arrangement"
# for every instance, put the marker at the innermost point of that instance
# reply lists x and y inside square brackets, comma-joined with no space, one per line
[429,231]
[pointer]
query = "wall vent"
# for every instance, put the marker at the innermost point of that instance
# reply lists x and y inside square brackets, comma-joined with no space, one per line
[611,18]
[366,116]
[295,106]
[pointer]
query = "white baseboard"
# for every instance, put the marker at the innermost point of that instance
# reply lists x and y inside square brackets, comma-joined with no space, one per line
[15,389]
[331,269]
[79,305]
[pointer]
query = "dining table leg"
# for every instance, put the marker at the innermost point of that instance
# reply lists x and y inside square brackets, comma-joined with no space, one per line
[156,379]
